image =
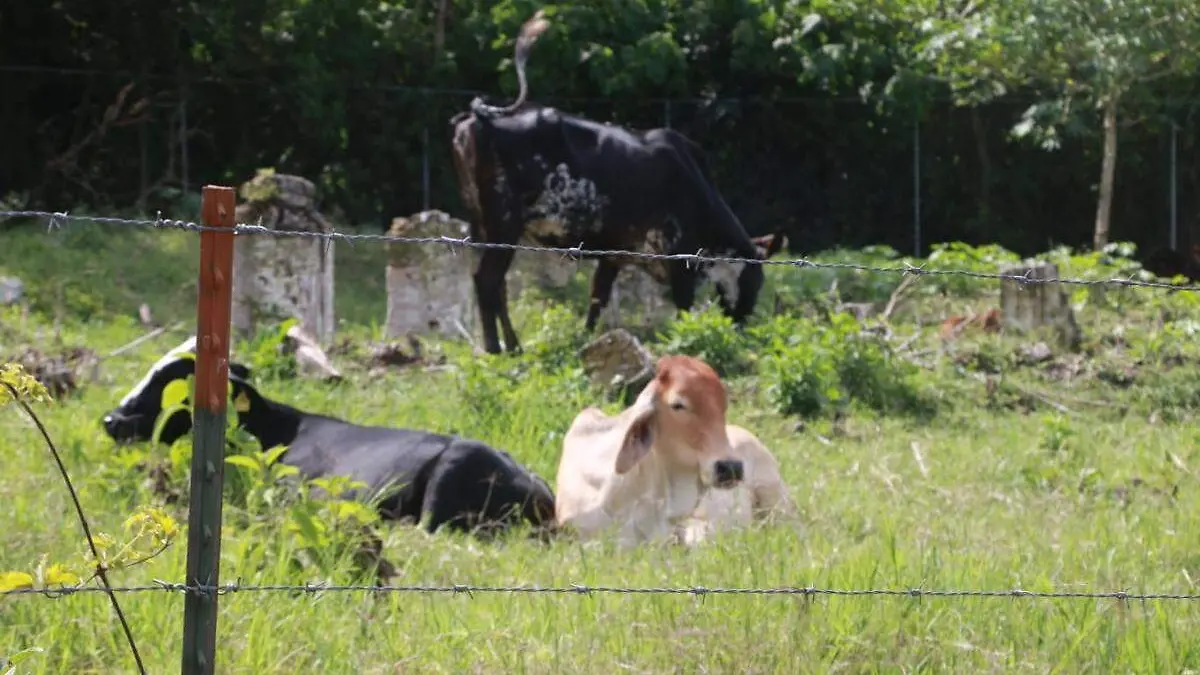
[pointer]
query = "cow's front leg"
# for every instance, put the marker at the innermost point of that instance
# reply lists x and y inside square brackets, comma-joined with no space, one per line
[683,285]
[490,295]
[749,284]
[602,284]
[510,335]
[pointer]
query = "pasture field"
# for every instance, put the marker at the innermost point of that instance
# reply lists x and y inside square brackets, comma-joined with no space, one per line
[974,464]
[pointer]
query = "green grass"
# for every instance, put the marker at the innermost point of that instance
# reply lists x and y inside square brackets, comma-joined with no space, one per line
[1013,495]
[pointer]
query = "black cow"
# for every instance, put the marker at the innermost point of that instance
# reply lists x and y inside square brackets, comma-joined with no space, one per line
[463,484]
[536,173]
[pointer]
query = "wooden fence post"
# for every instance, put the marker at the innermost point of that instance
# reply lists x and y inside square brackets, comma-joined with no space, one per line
[208,432]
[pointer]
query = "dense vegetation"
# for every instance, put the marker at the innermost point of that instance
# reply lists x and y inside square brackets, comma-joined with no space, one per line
[810,109]
[974,461]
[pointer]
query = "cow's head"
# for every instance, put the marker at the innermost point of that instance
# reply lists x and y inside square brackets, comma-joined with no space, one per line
[136,415]
[681,416]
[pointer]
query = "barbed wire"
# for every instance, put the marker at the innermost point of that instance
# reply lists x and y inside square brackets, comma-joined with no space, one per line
[160,586]
[55,220]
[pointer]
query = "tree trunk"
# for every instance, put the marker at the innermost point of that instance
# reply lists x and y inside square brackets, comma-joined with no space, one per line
[1108,170]
[985,166]
[439,33]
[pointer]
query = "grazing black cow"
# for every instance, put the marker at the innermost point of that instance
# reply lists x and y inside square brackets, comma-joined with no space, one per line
[536,173]
[463,484]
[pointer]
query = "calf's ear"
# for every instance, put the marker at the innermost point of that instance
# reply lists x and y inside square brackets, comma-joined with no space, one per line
[639,434]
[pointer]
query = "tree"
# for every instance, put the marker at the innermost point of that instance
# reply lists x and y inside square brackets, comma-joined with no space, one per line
[1076,55]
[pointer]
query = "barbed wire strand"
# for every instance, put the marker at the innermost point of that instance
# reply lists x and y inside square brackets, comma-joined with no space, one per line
[160,586]
[55,220]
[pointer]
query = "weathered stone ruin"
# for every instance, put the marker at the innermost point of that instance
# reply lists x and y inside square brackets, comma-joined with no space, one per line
[277,278]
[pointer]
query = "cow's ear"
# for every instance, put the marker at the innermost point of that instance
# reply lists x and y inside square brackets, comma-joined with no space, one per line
[240,371]
[639,433]
[242,394]
[776,244]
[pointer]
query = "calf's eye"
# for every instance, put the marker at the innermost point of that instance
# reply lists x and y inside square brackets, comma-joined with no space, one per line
[677,405]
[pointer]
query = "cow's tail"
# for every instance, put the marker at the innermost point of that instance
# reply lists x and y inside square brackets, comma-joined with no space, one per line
[530,31]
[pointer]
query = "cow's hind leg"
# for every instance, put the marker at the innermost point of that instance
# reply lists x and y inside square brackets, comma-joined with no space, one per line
[602,284]
[490,294]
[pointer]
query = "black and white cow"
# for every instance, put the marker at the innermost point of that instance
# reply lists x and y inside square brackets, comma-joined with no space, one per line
[535,173]
[440,479]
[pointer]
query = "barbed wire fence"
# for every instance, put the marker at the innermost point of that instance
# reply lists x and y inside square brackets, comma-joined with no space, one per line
[161,586]
[217,233]
[57,219]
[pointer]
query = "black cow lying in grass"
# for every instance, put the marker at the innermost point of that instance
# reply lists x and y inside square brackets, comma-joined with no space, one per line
[463,484]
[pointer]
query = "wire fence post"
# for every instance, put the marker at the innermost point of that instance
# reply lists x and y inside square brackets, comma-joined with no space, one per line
[208,437]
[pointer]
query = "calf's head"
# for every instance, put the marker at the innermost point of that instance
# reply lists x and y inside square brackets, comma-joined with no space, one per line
[135,416]
[680,415]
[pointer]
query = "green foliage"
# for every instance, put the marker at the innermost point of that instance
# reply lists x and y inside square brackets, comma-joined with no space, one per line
[27,387]
[1080,53]
[556,342]
[812,368]
[149,531]
[264,474]
[266,355]
[949,502]
[324,526]
[10,662]
[709,335]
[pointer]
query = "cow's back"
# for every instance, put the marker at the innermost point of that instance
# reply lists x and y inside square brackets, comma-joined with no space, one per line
[381,457]
[589,454]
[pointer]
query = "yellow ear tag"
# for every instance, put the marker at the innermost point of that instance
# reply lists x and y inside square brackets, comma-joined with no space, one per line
[241,403]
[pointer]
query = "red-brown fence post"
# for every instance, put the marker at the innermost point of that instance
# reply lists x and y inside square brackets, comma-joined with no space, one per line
[208,433]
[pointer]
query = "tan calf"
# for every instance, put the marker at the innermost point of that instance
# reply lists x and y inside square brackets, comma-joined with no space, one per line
[761,495]
[642,473]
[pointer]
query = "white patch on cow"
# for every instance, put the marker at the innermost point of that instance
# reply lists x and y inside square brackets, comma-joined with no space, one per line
[188,345]
[564,200]
[727,274]
[658,241]
[545,228]
[655,243]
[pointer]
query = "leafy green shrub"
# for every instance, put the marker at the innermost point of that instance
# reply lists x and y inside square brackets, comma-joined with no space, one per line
[809,285]
[709,335]
[265,355]
[557,339]
[962,257]
[323,528]
[812,368]
[1174,394]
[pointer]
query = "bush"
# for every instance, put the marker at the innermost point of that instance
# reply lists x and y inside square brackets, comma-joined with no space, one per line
[556,342]
[265,354]
[709,335]
[812,368]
